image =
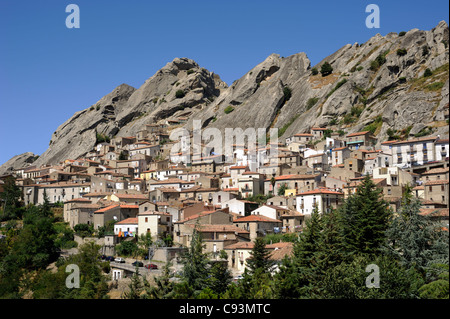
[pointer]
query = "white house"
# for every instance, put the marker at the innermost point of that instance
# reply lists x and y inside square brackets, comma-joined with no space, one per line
[126,228]
[441,147]
[323,199]
[271,211]
[413,152]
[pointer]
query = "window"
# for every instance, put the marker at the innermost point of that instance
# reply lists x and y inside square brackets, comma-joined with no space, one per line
[146,219]
[430,189]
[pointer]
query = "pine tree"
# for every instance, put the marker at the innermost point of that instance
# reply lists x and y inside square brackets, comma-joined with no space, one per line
[196,270]
[163,288]
[415,240]
[298,273]
[259,259]
[365,218]
[220,278]
[135,286]
[326,69]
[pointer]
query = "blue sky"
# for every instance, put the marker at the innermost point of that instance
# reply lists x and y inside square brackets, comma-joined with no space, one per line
[48,72]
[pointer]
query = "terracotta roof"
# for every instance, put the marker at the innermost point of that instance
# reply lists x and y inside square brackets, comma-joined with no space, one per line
[241,245]
[320,191]
[293,176]
[358,133]
[256,218]
[151,212]
[132,220]
[218,228]
[437,182]
[420,139]
[303,134]
[105,209]
[437,171]
[195,216]
[132,196]
[238,167]
[435,212]
[389,142]
[130,206]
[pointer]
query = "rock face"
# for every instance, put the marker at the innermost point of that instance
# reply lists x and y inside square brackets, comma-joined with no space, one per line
[380,79]
[125,110]
[18,161]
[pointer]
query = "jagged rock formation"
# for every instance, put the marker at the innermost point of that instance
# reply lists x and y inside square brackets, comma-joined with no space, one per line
[125,110]
[380,79]
[16,162]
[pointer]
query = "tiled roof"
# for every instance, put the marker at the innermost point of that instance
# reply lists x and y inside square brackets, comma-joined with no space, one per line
[256,218]
[320,191]
[132,196]
[437,182]
[439,170]
[105,209]
[132,220]
[358,133]
[293,176]
[435,212]
[218,228]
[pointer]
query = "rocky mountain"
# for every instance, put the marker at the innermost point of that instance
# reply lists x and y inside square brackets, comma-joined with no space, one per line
[394,85]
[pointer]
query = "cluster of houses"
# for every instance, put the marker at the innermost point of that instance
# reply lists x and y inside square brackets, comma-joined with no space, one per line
[140,186]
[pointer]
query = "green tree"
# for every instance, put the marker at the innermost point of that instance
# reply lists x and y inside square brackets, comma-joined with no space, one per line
[163,288]
[348,280]
[136,286]
[415,240]
[195,261]
[282,189]
[220,278]
[287,92]
[260,258]
[365,218]
[326,69]
[10,200]
[298,273]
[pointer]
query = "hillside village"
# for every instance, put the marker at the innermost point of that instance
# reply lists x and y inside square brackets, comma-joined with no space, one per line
[135,185]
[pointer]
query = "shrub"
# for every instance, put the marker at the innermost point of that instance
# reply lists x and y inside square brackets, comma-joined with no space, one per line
[427,73]
[379,61]
[372,127]
[311,102]
[402,79]
[287,92]
[228,109]
[423,132]
[326,69]
[190,71]
[359,68]
[436,86]
[402,33]
[179,94]
[314,71]
[338,85]
[401,52]
[348,118]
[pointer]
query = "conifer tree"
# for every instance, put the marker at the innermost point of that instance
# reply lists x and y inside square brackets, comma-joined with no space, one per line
[365,218]
[196,270]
